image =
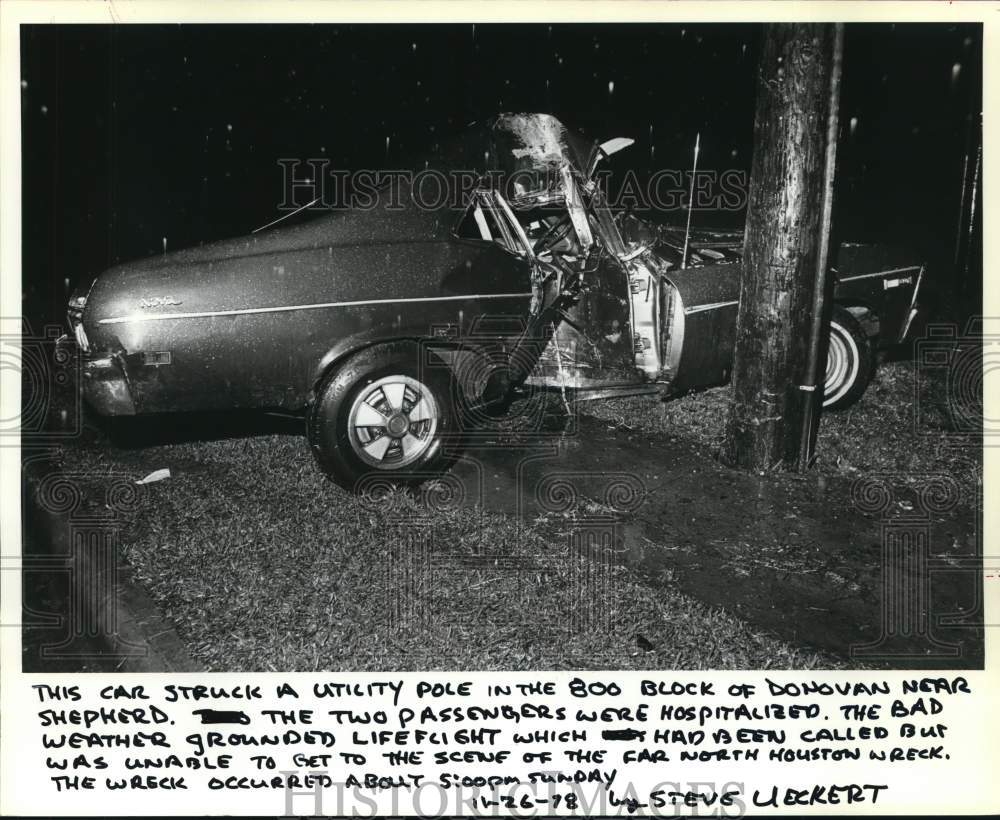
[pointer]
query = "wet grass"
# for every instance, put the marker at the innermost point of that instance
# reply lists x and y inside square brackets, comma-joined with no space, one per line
[908,424]
[265,565]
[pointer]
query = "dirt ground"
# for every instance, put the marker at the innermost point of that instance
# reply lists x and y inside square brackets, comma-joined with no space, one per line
[606,538]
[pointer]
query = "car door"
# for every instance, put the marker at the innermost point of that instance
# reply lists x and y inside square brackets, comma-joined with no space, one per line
[592,344]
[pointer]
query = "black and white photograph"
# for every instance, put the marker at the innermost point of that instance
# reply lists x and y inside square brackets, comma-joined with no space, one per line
[520,409]
[502,346]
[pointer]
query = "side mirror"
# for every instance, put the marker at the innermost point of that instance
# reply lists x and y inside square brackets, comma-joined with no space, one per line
[606,149]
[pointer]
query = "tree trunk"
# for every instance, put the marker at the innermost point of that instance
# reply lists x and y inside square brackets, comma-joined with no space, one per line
[781,244]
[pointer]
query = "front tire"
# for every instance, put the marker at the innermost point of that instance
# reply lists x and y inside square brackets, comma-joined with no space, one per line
[850,361]
[386,412]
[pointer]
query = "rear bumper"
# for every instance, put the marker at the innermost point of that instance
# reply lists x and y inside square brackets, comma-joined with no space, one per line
[105,386]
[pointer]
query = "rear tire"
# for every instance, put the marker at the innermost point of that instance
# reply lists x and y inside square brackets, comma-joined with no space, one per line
[384,415]
[850,361]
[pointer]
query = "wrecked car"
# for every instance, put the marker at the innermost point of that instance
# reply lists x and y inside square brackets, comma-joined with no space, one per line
[388,325]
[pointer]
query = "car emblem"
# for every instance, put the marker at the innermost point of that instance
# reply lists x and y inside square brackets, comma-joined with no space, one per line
[157,301]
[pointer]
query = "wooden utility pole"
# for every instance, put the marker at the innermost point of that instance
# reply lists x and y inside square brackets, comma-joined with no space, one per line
[781,247]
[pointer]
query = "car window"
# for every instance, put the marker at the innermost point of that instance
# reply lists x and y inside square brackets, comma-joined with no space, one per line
[549,227]
[483,220]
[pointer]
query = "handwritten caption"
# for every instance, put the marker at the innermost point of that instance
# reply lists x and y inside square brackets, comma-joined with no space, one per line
[560,745]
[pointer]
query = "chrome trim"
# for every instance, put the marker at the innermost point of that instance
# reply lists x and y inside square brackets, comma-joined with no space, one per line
[157,317]
[522,237]
[74,316]
[878,273]
[913,306]
[712,306]
[675,319]
[106,386]
[379,419]
[81,337]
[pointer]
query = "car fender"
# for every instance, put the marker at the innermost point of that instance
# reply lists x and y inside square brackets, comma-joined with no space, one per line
[884,279]
[699,331]
[469,362]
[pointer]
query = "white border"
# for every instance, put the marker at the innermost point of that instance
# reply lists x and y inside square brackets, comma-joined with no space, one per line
[984,714]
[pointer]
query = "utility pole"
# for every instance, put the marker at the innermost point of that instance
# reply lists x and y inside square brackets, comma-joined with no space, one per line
[787,235]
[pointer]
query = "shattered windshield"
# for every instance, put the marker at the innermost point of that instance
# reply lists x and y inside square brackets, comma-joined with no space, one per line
[566,227]
[548,227]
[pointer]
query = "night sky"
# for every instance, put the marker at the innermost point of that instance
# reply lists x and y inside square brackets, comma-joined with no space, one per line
[134,134]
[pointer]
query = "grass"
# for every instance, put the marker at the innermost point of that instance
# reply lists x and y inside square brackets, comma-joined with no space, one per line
[265,565]
[903,426]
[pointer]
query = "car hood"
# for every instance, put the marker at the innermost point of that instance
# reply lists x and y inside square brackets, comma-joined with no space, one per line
[282,265]
[339,228]
[522,146]
[276,247]
[704,247]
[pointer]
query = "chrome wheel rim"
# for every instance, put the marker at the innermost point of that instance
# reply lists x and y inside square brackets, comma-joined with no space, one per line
[393,422]
[842,363]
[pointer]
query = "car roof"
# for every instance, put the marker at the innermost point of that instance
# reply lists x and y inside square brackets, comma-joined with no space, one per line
[510,143]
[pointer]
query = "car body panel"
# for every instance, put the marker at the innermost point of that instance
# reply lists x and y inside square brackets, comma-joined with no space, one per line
[257,322]
[882,278]
[704,324]
[592,347]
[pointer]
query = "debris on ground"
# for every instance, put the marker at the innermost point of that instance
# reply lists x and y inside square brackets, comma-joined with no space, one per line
[156,475]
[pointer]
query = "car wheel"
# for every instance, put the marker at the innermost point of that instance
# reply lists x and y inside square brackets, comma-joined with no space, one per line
[850,363]
[384,414]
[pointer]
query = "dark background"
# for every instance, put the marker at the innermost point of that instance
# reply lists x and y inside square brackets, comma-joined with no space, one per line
[133,134]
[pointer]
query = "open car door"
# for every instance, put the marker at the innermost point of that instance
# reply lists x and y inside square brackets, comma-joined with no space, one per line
[592,346]
[580,332]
